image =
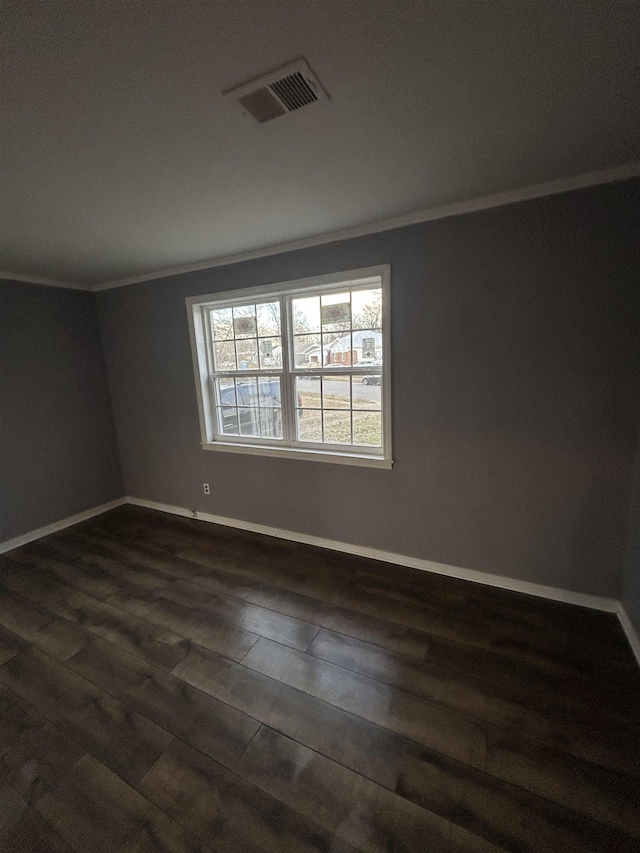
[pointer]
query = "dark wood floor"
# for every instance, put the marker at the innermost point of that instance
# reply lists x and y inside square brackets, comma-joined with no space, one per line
[170,685]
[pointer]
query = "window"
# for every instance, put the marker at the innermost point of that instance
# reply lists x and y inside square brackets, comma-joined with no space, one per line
[297,369]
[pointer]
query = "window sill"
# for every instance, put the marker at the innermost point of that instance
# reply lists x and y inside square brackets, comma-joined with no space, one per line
[357,459]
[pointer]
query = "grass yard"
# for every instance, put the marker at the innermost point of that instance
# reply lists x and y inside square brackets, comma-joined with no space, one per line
[367,426]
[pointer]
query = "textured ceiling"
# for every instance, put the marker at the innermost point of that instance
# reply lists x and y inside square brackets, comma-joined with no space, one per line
[120,156]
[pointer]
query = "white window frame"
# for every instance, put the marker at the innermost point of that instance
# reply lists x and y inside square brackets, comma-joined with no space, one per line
[197,311]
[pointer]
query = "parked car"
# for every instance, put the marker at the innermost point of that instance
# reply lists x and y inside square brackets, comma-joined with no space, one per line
[267,396]
[243,405]
[374,378]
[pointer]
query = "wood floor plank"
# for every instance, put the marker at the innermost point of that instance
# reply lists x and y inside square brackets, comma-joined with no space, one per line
[145,560]
[512,816]
[33,752]
[20,616]
[88,553]
[505,635]
[532,681]
[356,743]
[227,812]
[92,580]
[22,829]
[144,639]
[37,588]
[587,789]
[516,641]
[523,686]
[10,645]
[127,519]
[220,731]
[411,586]
[416,644]
[388,761]
[160,535]
[568,642]
[369,817]
[464,618]
[251,617]
[324,587]
[433,725]
[94,810]
[40,627]
[395,710]
[577,733]
[212,633]
[124,740]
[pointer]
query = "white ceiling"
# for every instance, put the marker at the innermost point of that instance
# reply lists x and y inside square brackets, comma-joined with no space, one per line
[120,156]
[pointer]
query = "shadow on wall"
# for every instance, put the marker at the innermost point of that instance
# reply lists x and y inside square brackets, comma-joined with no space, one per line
[600,533]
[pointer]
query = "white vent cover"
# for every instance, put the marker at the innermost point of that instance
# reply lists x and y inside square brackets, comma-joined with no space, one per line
[278,93]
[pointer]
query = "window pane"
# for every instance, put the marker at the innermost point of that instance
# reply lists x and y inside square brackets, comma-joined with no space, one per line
[367,428]
[309,425]
[307,351]
[367,347]
[366,307]
[270,352]
[228,420]
[335,312]
[222,323]
[247,353]
[337,427]
[308,392]
[306,314]
[247,391]
[338,349]
[249,421]
[250,406]
[226,389]
[244,321]
[225,355]
[271,423]
[367,392]
[336,392]
[269,393]
[268,314]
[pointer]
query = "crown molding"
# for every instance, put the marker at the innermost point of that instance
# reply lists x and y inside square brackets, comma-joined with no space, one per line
[561,185]
[49,282]
[575,182]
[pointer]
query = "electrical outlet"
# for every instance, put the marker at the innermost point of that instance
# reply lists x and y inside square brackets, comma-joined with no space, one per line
[206,488]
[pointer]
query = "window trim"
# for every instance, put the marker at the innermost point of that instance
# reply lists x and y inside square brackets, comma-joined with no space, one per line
[285,290]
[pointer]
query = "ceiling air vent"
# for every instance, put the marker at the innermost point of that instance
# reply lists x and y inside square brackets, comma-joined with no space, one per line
[278,93]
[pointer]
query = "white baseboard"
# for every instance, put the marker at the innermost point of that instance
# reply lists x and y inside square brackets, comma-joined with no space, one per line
[630,631]
[10,544]
[610,605]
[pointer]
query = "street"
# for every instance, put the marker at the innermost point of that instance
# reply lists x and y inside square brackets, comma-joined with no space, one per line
[337,388]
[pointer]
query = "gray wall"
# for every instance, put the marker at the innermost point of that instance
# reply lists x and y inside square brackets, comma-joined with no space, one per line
[58,448]
[515,394]
[631,580]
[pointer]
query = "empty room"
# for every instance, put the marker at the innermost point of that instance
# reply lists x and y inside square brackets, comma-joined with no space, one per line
[319,426]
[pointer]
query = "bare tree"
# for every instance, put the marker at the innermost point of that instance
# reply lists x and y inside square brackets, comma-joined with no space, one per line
[370,315]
